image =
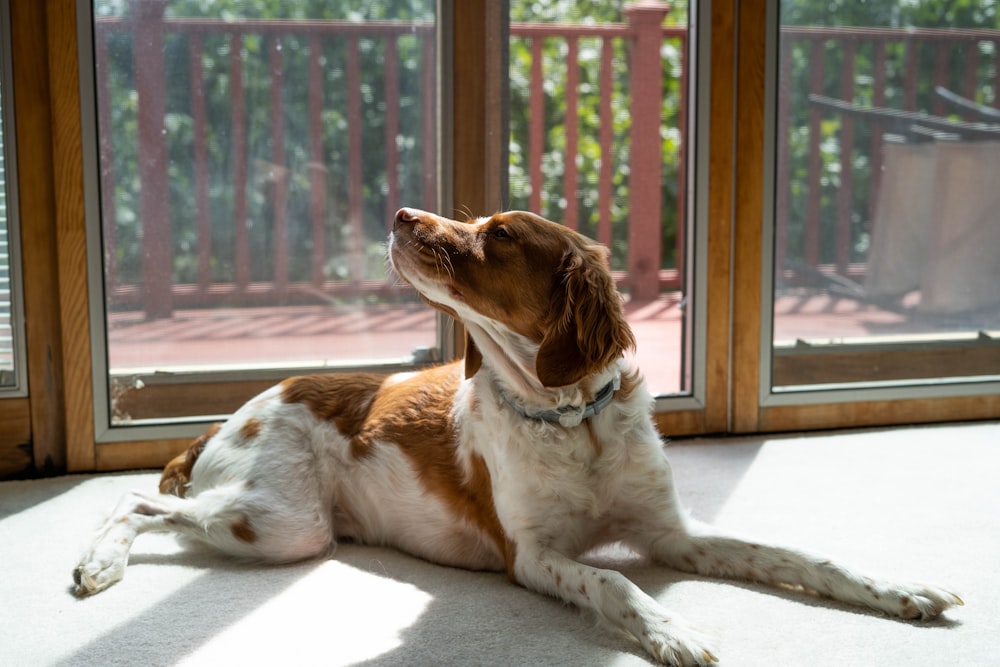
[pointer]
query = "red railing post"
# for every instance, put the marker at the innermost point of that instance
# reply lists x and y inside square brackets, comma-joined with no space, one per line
[646,158]
[607,137]
[845,203]
[154,193]
[317,163]
[430,123]
[109,215]
[536,116]
[200,125]
[391,126]
[279,170]
[811,254]
[238,132]
[571,122]
[355,243]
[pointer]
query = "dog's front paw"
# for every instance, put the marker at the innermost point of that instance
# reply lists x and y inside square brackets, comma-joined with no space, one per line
[920,602]
[909,601]
[672,642]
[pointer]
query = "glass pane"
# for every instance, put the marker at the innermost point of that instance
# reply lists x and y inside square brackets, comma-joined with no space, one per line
[252,157]
[887,237]
[598,138]
[10,326]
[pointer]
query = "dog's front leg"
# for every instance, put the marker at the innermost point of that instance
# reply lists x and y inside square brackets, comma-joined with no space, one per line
[617,601]
[706,551]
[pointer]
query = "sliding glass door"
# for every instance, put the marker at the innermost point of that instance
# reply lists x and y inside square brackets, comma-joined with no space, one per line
[251,157]
[886,212]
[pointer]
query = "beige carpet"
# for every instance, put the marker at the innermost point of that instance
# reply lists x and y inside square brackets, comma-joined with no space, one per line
[916,503]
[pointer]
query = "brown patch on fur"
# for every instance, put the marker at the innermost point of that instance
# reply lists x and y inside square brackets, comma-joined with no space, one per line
[345,399]
[588,331]
[243,531]
[415,415]
[177,473]
[473,357]
[251,428]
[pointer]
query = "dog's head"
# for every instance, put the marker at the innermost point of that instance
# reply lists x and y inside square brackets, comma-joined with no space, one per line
[520,280]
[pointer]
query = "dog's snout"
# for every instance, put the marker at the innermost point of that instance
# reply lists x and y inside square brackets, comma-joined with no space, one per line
[406,216]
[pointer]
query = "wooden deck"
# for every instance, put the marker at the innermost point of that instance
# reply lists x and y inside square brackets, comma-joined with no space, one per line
[332,335]
[320,336]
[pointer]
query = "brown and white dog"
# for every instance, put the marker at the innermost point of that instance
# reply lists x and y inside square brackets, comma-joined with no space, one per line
[538,448]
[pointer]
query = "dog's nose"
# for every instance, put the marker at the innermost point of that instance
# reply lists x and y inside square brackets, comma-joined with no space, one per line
[406,216]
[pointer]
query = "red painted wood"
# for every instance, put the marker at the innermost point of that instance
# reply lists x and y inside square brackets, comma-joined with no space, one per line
[199,129]
[154,200]
[391,130]
[844,193]
[356,243]
[815,164]
[606,139]
[646,158]
[239,147]
[571,125]
[317,166]
[279,169]
[536,119]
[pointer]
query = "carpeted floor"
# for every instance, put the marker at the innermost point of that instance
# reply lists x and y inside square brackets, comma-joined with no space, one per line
[914,503]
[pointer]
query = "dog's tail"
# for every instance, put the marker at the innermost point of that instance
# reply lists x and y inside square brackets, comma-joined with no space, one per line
[177,473]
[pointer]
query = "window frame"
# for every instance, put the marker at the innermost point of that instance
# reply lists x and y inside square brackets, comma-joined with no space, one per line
[18,388]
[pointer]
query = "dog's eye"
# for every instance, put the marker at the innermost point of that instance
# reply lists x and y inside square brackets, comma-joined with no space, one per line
[501,233]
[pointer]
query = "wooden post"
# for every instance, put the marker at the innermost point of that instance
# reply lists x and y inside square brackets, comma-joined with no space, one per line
[154,195]
[646,160]
[317,163]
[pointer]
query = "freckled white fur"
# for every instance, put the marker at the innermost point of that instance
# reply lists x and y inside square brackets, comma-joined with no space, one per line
[557,492]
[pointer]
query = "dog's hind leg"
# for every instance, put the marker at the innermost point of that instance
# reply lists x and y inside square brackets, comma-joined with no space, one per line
[223,517]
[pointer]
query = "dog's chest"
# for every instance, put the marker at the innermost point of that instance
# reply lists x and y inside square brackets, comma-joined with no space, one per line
[544,473]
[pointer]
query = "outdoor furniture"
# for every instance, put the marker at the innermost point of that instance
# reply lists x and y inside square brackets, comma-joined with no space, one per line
[936,225]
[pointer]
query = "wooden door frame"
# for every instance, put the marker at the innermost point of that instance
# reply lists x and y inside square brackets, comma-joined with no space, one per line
[751,410]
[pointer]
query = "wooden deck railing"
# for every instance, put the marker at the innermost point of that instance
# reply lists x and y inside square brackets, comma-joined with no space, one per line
[157,292]
[813,216]
[645,34]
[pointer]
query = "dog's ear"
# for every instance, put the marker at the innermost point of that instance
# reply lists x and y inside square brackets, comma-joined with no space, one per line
[473,357]
[587,331]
